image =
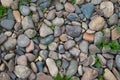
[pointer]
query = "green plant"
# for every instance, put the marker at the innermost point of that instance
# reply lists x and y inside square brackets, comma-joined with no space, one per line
[97,62]
[3,11]
[44,10]
[73,1]
[101,44]
[117,28]
[100,78]
[52,27]
[59,77]
[23,1]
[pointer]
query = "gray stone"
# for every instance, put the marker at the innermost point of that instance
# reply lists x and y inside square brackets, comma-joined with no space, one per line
[22,60]
[98,37]
[84,46]
[30,33]
[58,6]
[65,63]
[35,17]
[53,55]
[22,71]
[9,56]
[57,31]
[69,44]
[72,16]
[58,21]
[25,10]
[52,46]
[3,38]
[74,51]
[117,61]
[7,24]
[72,69]
[93,49]
[96,1]
[73,31]
[44,54]
[4,76]
[10,44]
[27,23]
[61,49]
[45,4]
[51,15]
[113,19]
[23,40]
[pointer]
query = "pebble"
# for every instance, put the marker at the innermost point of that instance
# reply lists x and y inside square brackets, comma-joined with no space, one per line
[87,9]
[57,31]
[97,23]
[10,44]
[30,47]
[7,24]
[22,71]
[98,37]
[2,67]
[51,15]
[17,16]
[69,44]
[107,8]
[30,33]
[72,69]
[58,6]
[52,67]
[63,37]
[30,57]
[79,38]
[58,21]
[25,10]
[61,49]
[3,38]
[9,56]
[8,33]
[22,60]
[47,40]
[117,61]
[80,71]
[74,51]
[73,31]
[11,65]
[93,49]
[45,31]
[45,4]
[96,1]
[42,76]
[89,74]
[113,19]
[52,46]
[53,55]
[14,5]
[115,35]
[69,7]
[6,3]
[84,25]
[84,46]
[35,17]
[42,46]
[4,76]
[40,66]
[44,54]
[33,67]
[107,73]
[72,16]
[65,63]
[32,76]
[23,40]
[27,23]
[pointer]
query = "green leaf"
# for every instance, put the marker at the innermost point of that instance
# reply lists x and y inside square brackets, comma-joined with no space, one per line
[73,1]
[58,77]
[100,78]
[97,62]
[3,11]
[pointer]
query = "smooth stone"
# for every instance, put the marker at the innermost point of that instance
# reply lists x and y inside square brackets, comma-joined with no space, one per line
[61,49]
[113,19]
[17,15]
[65,63]
[7,24]
[10,15]
[22,60]
[80,71]
[107,73]
[34,67]
[45,31]
[97,23]
[51,15]
[30,33]
[58,6]
[6,3]
[35,17]
[57,31]
[11,64]
[89,74]
[52,67]
[45,4]
[30,57]
[42,46]
[117,61]
[30,47]
[58,21]
[47,40]
[72,16]
[93,49]
[84,25]
[9,56]
[74,51]
[77,9]
[69,7]
[115,34]
[87,9]
[69,44]
[22,71]
[52,46]
[27,23]
[107,8]
[79,38]
[96,1]
[32,76]
[98,37]
[47,22]
[53,55]
[75,78]
[110,64]
[4,76]
[23,40]
[14,5]
[44,54]
[25,10]
[72,69]
[10,44]
[73,31]
[40,66]
[3,38]
[43,76]
[84,46]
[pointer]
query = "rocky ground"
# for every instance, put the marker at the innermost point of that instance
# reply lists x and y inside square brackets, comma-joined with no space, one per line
[60,40]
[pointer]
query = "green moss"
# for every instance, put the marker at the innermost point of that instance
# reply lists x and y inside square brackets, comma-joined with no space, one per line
[100,78]
[73,1]
[3,11]
[59,77]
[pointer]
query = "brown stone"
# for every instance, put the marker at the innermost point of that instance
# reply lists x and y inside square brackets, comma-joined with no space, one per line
[63,37]
[4,76]
[88,37]
[115,34]
[30,47]
[17,16]
[42,76]
[69,7]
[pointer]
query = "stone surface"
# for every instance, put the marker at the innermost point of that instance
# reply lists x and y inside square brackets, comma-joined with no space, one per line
[4,76]
[42,76]
[96,1]
[30,47]
[22,71]
[115,35]
[113,19]
[98,37]
[107,8]
[23,40]
[3,38]
[117,61]
[97,23]
[53,46]
[57,31]
[51,15]
[45,31]
[63,37]
[69,7]
[52,67]
[6,3]
[25,10]
[22,60]
[87,9]
[30,33]
[72,16]
[88,37]
[108,75]
[53,55]
[17,15]
[58,21]
[7,24]
[69,44]
[74,51]
[73,31]
[30,57]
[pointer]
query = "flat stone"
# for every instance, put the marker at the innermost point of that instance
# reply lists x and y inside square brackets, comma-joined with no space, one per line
[98,37]
[7,24]
[57,31]
[30,33]
[97,23]
[107,8]
[30,57]
[59,6]
[52,46]
[33,67]
[9,56]
[88,37]
[42,76]
[6,3]
[96,1]
[58,21]
[22,71]
[63,37]
[87,9]
[69,44]
[69,7]
[113,19]
[72,16]
[39,66]
[53,55]
[45,31]
[11,64]
[30,47]
[52,67]
[93,49]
